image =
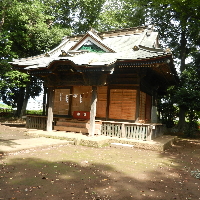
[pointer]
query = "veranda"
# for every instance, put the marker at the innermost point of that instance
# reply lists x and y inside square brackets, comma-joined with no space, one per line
[136,131]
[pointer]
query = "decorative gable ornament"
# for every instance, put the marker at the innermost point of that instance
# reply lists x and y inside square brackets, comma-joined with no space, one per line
[94,42]
[91,47]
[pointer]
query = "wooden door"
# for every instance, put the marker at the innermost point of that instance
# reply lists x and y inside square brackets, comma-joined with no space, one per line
[145,107]
[122,104]
[101,101]
[61,102]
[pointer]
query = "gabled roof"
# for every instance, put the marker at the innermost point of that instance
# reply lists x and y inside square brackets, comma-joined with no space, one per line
[93,38]
[103,51]
[123,44]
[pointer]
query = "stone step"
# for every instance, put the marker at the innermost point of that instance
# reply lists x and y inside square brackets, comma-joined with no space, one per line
[76,129]
[120,145]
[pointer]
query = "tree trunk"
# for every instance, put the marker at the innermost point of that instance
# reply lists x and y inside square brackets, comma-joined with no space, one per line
[23,110]
[183,50]
[181,122]
[44,108]
[20,101]
[182,111]
[25,102]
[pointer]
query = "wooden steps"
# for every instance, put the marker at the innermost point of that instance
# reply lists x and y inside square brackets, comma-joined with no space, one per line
[71,129]
[77,126]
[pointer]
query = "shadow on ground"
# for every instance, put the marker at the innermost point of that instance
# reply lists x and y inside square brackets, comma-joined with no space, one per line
[77,172]
[8,142]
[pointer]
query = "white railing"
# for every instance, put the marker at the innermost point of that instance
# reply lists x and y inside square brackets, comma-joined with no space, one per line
[131,130]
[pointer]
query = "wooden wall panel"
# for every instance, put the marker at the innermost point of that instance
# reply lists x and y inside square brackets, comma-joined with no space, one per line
[142,106]
[61,102]
[81,98]
[101,101]
[122,104]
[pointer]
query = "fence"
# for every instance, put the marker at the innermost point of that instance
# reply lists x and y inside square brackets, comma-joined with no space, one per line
[37,122]
[131,130]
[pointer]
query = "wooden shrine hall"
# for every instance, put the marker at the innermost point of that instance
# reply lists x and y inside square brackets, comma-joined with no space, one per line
[103,83]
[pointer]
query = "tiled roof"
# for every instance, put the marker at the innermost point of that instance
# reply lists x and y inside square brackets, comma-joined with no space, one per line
[125,44]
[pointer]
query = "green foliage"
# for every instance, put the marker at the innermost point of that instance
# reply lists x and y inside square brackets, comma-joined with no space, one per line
[185,95]
[188,91]
[85,14]
[26,29]
[14,79]
[34,112]
[178,24]
[121,14]
[168,110]
[31,30]
[5,45]
[4,106]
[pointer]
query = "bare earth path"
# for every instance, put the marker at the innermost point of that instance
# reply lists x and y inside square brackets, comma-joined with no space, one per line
[61,171]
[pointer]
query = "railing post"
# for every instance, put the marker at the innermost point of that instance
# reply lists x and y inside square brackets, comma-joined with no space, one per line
[123,131]
[149,133]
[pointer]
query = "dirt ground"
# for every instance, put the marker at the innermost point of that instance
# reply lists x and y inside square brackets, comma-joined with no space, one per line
[69,172]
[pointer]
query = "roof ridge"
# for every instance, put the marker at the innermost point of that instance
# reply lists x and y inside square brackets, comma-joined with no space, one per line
[122,31]
[125,29]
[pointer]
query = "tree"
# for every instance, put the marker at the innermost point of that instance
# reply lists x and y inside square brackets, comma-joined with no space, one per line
[27,30]
[178,23]
[85,14]
[187,96]
[31,30]
[79,15]
[120,14]
[167,108]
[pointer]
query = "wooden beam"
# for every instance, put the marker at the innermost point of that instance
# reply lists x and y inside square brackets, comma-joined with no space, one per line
[93,110]
[50,109]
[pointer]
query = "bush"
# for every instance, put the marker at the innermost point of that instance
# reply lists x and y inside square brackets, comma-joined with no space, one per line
[34,112]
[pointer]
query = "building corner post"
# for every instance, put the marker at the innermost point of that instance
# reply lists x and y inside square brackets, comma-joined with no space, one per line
[93,111]
[154,112]
[49,126]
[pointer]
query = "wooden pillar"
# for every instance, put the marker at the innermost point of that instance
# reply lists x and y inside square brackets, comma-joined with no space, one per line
[50,109]
[93,110]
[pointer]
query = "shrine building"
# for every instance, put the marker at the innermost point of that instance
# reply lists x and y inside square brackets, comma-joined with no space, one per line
[103,83]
